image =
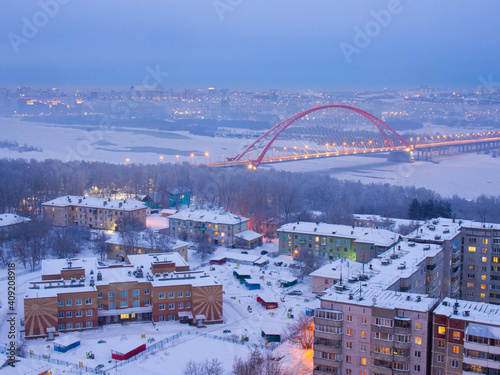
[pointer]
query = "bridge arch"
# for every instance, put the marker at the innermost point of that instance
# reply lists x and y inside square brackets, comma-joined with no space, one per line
[266,140]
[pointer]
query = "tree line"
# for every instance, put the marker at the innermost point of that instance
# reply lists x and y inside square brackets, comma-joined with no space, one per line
[263,194]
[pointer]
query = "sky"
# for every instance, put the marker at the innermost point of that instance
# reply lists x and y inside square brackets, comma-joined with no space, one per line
[250,44]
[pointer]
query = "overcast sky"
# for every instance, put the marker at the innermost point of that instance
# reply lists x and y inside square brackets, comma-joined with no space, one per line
[255,44]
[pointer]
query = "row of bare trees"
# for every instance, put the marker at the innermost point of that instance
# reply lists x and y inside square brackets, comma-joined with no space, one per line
[261,194]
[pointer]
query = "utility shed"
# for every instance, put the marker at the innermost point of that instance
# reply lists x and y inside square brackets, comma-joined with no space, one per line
[270,334]
[127,349]
[267,301]
[64,343]
[252,284]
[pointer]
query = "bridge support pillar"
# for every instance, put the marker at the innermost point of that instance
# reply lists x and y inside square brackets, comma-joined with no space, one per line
[400,156]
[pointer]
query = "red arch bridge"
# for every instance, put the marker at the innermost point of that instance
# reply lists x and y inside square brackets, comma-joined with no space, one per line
[315,133]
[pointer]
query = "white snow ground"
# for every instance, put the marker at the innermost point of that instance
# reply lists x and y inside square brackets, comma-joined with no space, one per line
[192,344]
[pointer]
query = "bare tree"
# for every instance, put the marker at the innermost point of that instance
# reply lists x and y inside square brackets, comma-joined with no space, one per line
[99,245]
[301,331]
[257,364]
[204,248]
[212,367]
[309,262]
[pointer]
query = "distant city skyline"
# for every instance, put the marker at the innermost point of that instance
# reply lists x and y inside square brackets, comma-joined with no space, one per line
[254,45]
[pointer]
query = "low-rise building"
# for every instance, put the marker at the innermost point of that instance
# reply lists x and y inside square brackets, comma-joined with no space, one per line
[79,294]
[119,249]
[100,213]
[217,226]
[8,222]
[332,241]
[466,338]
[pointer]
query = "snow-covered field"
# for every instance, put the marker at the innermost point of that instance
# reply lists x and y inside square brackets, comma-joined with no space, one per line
[199,344]
[467,175]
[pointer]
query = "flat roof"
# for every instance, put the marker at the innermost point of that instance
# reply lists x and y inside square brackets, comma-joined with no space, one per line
[384,298]
[386,269]
[216,216]
[248,235]
[437,230]
[484,313]
[115,239]
[379,237]
[94,202]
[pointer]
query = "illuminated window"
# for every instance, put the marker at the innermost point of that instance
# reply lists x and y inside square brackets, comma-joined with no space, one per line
[472,249]
[484,259]
[441,344]
[363,334]
[348,331]
[418,340]
[418,326]
[483,295]
[495,259]
[456,335]
[317,239]
[216,226]
[483,286]
[483,277]
[485,241]
[363,361]
[217,233]
[441,330]
[456,349]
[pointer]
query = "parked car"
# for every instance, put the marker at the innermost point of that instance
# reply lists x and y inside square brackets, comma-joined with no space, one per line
[99,366]
[226,331]
[263,252]
[295,293]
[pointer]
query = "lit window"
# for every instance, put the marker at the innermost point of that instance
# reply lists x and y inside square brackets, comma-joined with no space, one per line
[348,331]
[495,259]
[456,335]
[363,361]
[456,349]
[483,277]
[418,326]
[418,340]
[483,295]
[483,286]
[472,249]
[363,334]
[441,330]
[485,241]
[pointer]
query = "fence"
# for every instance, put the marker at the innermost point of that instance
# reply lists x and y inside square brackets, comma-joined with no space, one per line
[67,364]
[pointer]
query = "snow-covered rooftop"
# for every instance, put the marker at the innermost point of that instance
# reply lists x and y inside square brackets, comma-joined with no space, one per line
[248,235]
[341,267]
[218,216]
[478,225]
[400,261]
[113,274]
[93,202]
[477,312]
[439,230]
[379,237]
[384,298]
[11,219]
[380,219]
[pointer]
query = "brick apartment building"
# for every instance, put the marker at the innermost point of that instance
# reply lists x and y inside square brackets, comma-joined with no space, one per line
[78,294]
[101,213]
[332,241]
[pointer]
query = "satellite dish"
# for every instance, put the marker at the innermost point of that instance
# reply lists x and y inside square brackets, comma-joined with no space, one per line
[374,300]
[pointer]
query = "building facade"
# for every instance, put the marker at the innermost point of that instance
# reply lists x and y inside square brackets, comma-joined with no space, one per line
[466,338]
[217,226]
[8,222]
[99,213]
[79,294]
[373,332]
[331,241]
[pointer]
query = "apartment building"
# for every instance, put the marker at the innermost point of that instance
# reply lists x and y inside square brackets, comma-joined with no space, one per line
[466,338]
[332,241]
[447,234]
[481,264]
[373,331]
[219,226]
[101,213]
[8,222]
[79,294]
[406,267]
